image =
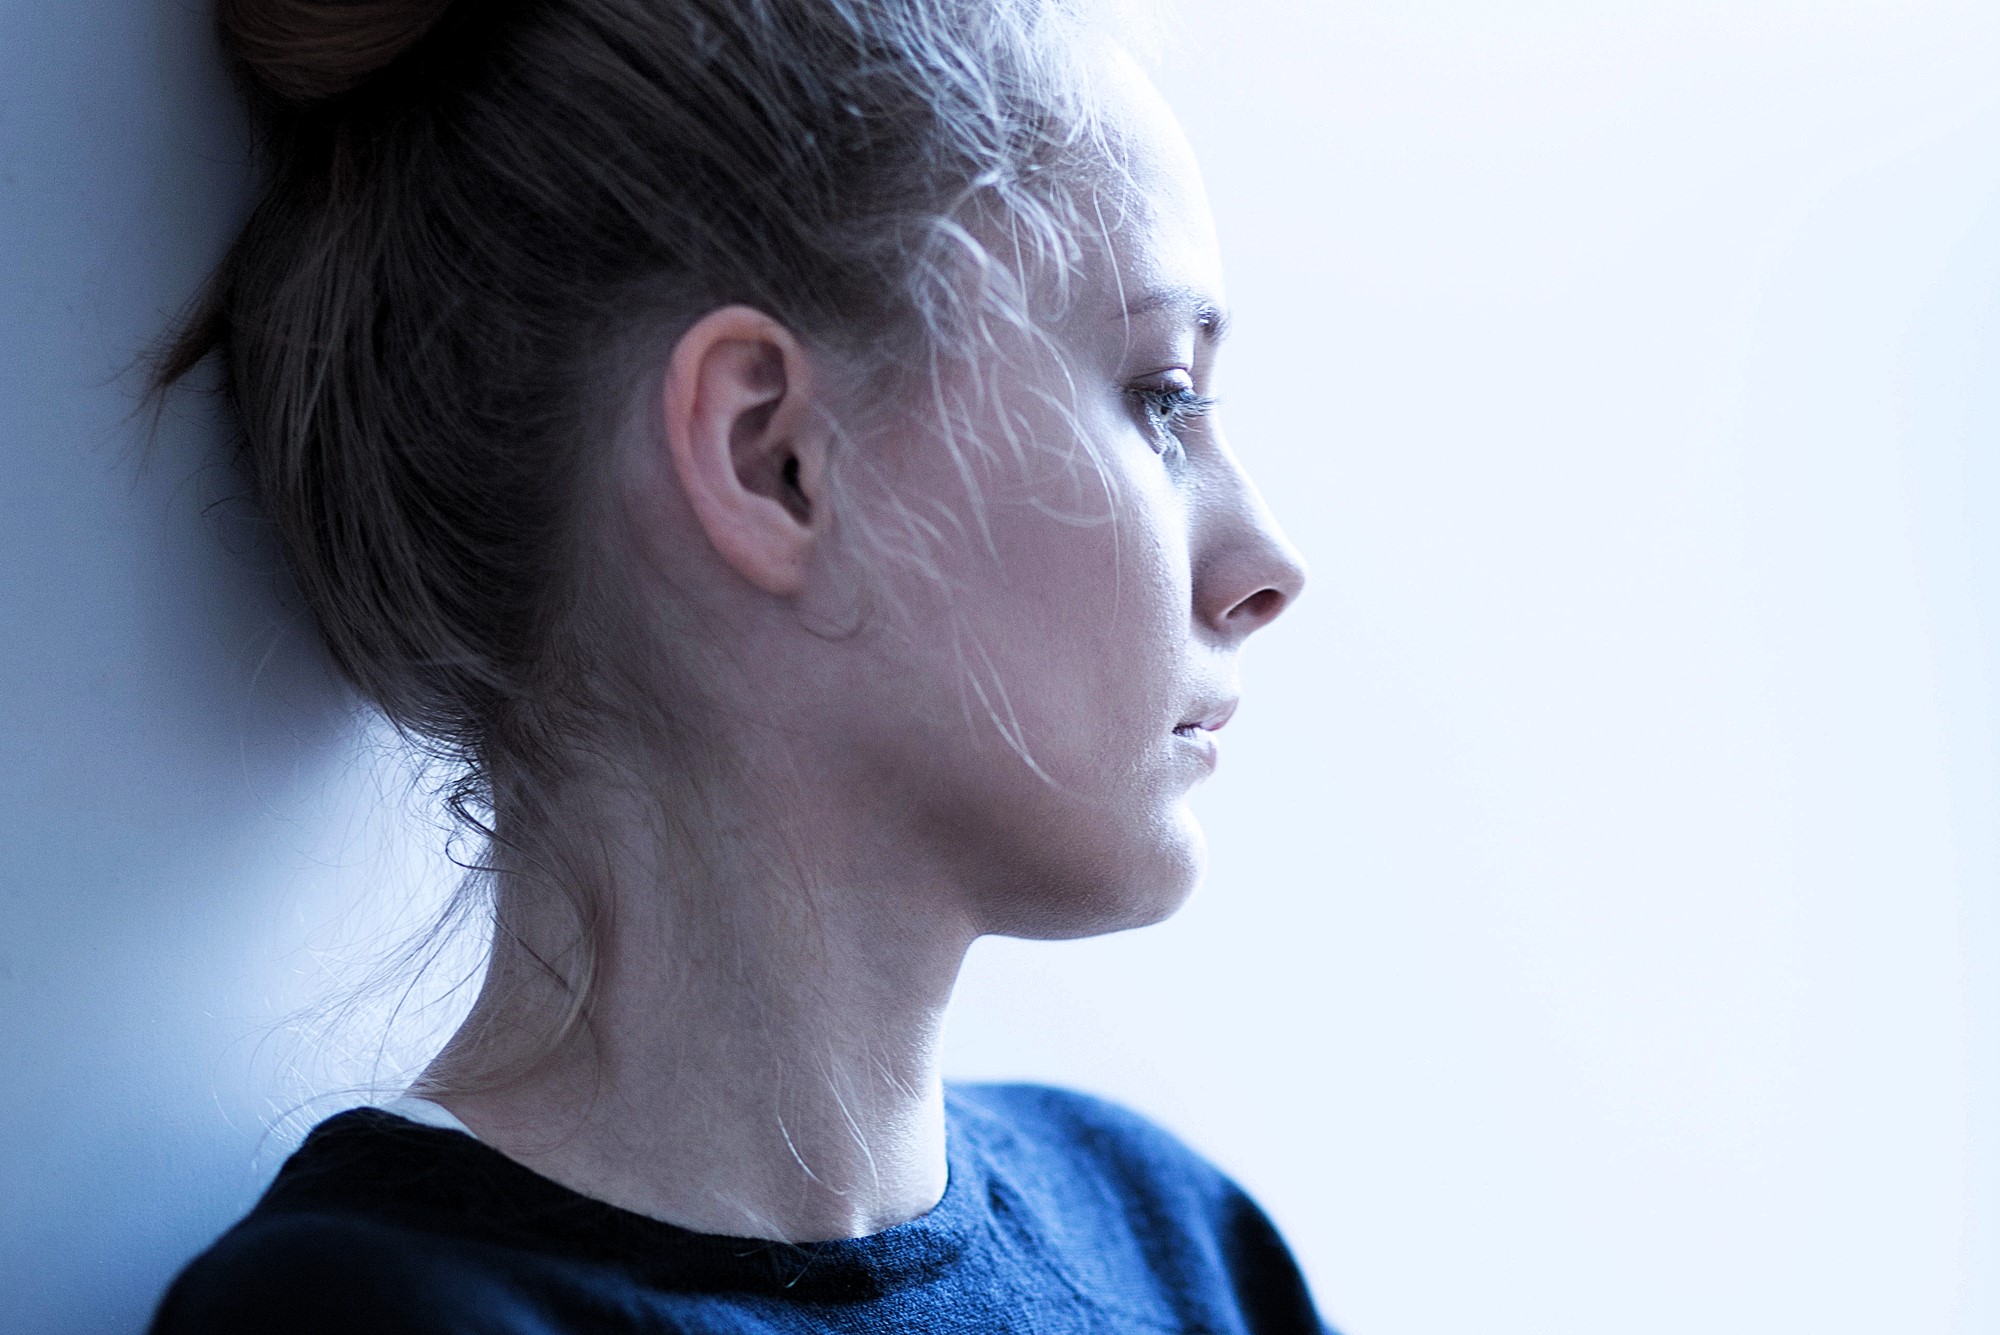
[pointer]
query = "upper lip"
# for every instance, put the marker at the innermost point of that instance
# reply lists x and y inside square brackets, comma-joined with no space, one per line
[1212,717]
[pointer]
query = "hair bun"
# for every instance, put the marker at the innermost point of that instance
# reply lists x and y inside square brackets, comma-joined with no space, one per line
[305,50]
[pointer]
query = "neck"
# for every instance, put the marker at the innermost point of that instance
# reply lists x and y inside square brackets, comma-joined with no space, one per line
[760,1056]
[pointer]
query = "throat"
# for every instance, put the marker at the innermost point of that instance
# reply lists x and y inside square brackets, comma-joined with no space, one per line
[795,1095]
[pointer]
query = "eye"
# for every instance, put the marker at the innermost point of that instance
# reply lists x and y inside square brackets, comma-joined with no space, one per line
[1170,405]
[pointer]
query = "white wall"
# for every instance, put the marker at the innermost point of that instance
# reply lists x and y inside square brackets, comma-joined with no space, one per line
[183,809]
[1601,930]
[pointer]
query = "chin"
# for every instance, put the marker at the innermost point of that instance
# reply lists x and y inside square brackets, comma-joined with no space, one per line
[1110,889]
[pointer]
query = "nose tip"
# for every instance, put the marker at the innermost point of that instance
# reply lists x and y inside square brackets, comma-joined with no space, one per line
[1251,571]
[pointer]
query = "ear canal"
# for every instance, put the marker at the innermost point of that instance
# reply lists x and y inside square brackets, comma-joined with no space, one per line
[795,498]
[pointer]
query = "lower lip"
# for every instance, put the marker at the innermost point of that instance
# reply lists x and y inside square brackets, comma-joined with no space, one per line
[1202,742]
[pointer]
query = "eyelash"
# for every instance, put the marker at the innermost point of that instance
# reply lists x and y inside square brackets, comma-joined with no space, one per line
[1170,410]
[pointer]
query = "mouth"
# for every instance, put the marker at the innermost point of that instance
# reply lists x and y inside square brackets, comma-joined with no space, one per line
[1210,720]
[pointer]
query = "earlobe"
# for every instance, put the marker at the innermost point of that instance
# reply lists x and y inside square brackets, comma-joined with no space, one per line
[746,444]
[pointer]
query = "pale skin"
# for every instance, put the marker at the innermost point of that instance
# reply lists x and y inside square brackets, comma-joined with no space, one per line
[1007,748]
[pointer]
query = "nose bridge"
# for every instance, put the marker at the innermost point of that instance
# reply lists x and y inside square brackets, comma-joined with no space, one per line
[1248,571]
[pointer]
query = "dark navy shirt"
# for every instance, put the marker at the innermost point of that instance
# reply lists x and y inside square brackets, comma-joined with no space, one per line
[1063,1214]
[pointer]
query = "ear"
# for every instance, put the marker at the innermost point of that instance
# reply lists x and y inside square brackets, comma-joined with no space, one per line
[746,444]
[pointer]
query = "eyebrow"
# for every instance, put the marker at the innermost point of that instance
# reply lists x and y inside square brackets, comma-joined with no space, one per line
[1209,318]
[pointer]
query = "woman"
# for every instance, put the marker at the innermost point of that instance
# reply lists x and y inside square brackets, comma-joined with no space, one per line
[764,445]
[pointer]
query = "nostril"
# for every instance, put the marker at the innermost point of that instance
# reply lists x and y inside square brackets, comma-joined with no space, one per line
[1258,608]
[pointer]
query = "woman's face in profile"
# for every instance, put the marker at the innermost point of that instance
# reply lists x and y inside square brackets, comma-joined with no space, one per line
[1087,617]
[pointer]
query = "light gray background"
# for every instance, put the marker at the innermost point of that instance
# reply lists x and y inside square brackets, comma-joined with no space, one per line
[1602,923]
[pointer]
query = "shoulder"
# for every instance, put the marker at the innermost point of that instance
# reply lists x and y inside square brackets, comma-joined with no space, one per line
[1049,1103]
[338,1271]
[1103,1178]
[1066,1124]
[361,1231]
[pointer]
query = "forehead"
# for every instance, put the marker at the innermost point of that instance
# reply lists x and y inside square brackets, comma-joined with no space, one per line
[1152,205]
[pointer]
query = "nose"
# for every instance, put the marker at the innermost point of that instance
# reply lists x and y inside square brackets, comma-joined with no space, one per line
[1246,571]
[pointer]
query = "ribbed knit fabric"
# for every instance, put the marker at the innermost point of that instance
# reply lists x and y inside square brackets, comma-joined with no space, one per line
[1063,1214]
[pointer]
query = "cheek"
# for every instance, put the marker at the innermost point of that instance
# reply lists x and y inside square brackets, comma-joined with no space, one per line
[1092,615]
[1038,667]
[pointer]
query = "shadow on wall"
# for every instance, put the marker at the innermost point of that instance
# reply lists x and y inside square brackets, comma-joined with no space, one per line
[183,792]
